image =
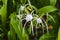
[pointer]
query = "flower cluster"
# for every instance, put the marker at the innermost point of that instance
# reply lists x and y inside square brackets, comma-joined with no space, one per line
[29,17]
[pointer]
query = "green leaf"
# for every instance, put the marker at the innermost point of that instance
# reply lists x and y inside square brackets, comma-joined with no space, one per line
[47,37]
[1,29]
[2,35]
[3,13]
[51,17]
[46,9]
[15,24]
[53,2]
[23,1]
[59,34]
[18,28]
[35,8]
[9,36]
[12,33]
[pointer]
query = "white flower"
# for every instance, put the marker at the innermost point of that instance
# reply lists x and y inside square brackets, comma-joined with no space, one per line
[22,8]
[39,20]
[29,17]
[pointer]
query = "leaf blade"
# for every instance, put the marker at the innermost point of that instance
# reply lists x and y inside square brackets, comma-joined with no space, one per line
[46,9]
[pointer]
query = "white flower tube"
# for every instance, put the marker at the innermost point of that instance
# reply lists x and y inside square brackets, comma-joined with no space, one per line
[29,17]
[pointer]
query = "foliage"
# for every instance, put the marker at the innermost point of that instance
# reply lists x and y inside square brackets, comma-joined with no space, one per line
[29,20]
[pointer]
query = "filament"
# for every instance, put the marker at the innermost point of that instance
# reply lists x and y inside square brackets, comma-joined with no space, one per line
[32,28]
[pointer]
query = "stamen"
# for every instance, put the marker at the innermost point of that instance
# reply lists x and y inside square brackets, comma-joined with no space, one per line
[29,2]
[26,5]
[46,26]
[25,25]
[36,29]
[52,18]
[32,11]
[32,28]
[43,30]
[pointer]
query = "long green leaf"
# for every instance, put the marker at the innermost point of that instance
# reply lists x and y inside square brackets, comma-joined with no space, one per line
[52,18]
[9,36]
[12,33]
[3,13]
[23,1]
[47,37]
[59,34]
[15,24]
[18,28]
[53,2]
[46,9]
